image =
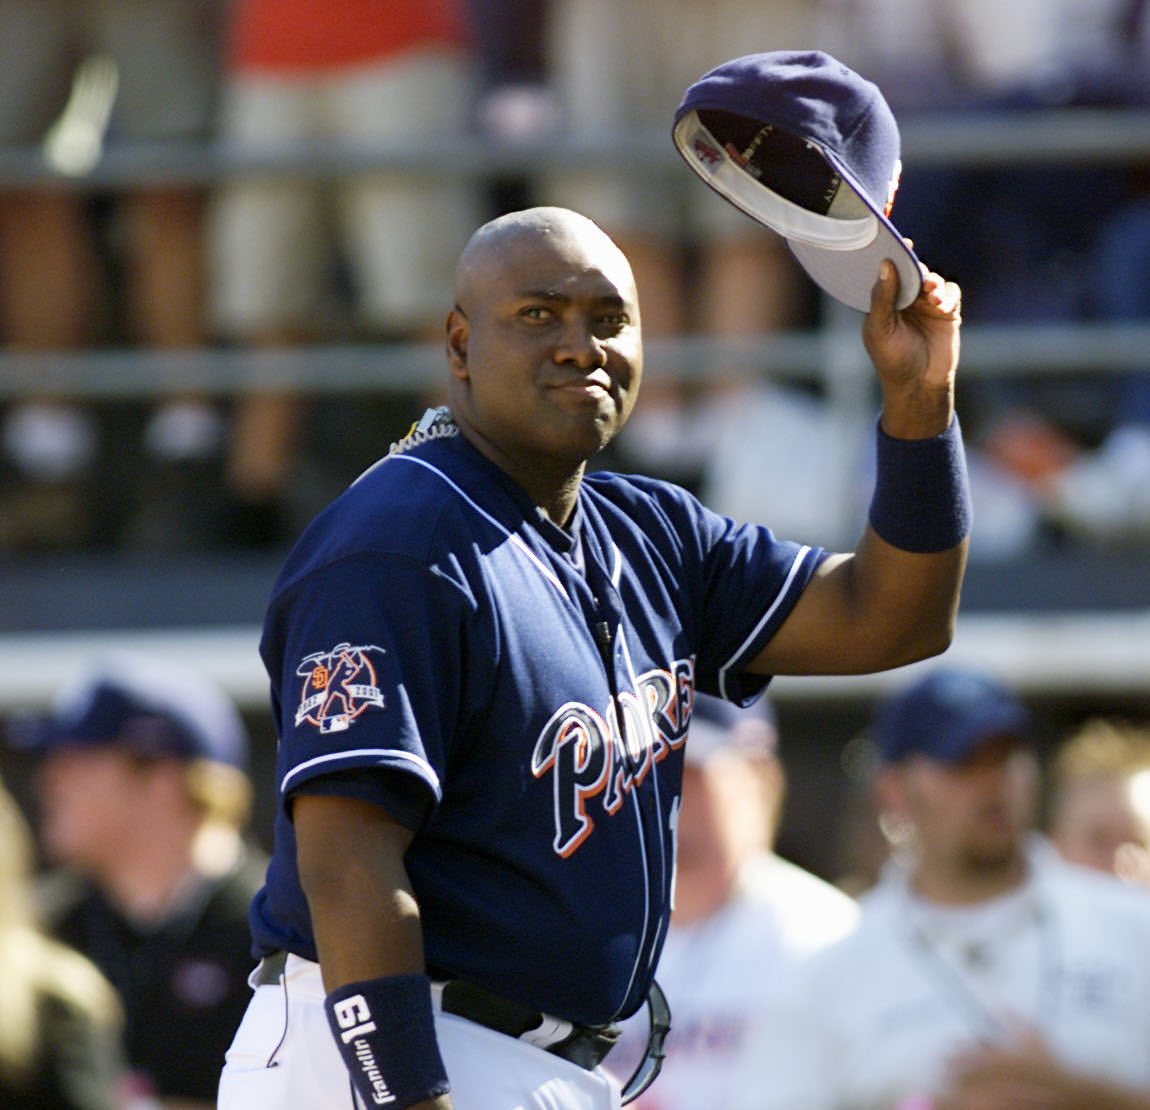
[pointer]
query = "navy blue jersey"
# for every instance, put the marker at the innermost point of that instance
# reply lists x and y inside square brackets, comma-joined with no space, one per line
[519,694]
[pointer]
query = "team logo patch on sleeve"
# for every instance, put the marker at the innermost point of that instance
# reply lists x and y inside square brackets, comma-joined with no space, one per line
[338,686]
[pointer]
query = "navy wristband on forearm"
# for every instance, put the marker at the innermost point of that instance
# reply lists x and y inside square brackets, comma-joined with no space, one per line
[385,1030]
[921,497]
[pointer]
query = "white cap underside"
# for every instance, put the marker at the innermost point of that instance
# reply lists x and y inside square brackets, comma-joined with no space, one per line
[849,277]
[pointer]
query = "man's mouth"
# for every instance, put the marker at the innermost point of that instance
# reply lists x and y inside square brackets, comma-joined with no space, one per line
[595,384]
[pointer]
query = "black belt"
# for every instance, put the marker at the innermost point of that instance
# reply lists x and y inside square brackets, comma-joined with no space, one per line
[584,1045]
[271,969]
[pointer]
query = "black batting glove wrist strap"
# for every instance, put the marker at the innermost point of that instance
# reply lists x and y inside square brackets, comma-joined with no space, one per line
[385,1031]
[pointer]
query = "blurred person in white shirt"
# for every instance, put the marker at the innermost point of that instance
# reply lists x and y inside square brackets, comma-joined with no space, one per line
[742,912]
[985,973]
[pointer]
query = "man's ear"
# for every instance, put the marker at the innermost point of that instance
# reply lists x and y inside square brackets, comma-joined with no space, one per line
[458,330]
[889,794]
[887,789]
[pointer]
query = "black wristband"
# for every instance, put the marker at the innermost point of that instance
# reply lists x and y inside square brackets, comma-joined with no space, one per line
[385,1031]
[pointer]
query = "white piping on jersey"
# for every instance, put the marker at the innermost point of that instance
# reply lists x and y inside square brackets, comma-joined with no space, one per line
[425,770]
[638,811]
[654,773]
[617,569]
[800,558]
[547,572]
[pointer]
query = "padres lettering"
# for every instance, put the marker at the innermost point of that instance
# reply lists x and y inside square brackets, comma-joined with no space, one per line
[588,754]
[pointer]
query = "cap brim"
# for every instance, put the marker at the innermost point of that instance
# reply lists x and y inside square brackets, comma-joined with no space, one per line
[841,256]
[849,276]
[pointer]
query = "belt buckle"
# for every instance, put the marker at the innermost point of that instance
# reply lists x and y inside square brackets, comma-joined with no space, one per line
[550,1032]
[587,1046]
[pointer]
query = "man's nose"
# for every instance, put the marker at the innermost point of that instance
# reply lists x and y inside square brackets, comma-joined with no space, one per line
[580,345]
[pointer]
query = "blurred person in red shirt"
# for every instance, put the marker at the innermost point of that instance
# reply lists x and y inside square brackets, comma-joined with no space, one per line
[358,77]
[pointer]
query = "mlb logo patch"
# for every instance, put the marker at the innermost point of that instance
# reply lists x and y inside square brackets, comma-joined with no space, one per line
[338,686]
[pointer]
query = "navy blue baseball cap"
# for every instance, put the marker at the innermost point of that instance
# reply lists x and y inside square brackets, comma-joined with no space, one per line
[803,144]
[946,715]
[719,725]
[146,705]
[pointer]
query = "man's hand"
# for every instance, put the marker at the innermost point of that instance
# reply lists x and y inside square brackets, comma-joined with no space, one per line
[1023,1075]
[1014,1076]
[915,353]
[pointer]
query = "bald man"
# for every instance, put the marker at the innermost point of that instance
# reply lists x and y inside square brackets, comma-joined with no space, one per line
[483,662]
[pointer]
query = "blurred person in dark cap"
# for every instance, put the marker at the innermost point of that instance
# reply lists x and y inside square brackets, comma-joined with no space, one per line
[143,798]
[985,973]
[742,912]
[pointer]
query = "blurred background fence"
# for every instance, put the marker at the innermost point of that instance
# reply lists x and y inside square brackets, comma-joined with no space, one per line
[1068,627]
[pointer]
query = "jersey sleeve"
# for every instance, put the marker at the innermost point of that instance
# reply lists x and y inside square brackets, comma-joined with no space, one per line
[365,659]
[748,582]
[405,797]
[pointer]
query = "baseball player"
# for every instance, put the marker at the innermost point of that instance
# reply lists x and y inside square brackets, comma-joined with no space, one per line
[985,973]
[483,662]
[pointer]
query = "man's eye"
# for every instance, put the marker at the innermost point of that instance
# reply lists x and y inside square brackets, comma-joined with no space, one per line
[614,321]
[537,312]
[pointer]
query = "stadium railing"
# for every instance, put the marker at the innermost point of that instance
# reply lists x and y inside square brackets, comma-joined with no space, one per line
[1038,652]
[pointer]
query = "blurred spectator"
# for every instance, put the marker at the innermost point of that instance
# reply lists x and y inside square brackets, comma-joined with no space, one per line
[59,1017]
[742,913]
[984,971]
[515,101]
[701,265]
[75,72]
[620,69]
[1098,489]
[510,51]
[1099,805]
[763,429]
[143,796]
[359,77]
[999,229]
[995,230]
[1102,493]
